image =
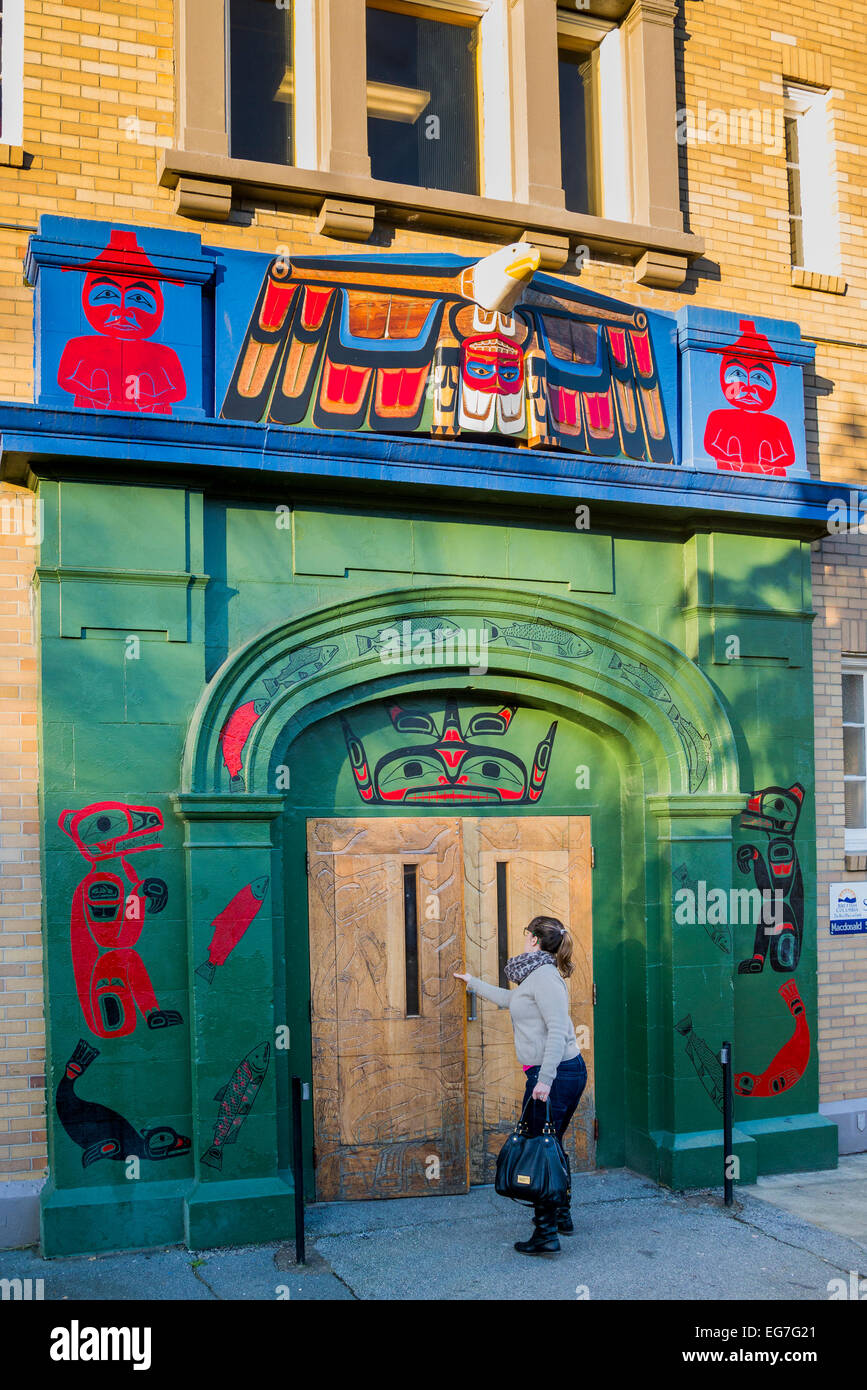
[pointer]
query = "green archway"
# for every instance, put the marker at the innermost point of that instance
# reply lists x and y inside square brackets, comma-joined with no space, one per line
[617,673]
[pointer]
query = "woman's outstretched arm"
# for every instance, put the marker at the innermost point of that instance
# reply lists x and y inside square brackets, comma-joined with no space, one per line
[500,997]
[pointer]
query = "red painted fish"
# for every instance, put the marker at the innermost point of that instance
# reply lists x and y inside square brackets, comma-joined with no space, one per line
[236,1099]
[230,925]
[235,733]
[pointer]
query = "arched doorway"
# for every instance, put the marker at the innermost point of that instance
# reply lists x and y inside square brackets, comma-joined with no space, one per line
[650,708]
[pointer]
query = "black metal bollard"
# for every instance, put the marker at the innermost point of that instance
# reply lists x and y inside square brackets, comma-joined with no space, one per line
[725,1057]
[298,1165]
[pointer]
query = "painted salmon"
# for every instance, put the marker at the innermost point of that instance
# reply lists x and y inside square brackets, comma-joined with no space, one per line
[300,666]
[235,733]
[638,676]
[707,1064]
[407,630]
[236,1101]
[536,636]
[230,924]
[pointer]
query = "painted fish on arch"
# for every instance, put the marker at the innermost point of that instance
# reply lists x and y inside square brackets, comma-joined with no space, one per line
[696,744]
[234,734]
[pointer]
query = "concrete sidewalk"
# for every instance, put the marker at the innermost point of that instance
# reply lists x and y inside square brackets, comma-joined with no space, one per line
[632,1240]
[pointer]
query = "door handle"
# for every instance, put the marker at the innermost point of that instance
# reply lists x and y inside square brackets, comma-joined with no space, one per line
[471,1006]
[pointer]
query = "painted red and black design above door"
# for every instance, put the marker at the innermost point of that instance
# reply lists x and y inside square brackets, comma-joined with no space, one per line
[444,758]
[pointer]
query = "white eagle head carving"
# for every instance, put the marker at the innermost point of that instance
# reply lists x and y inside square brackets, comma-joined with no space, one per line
[496,282]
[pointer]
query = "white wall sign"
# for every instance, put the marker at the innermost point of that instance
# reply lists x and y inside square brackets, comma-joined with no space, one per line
[848,908]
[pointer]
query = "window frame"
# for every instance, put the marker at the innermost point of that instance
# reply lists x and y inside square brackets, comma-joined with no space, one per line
[519,188]
[855,837]
[468,14]
[599,41]
[12,74]
[809,107]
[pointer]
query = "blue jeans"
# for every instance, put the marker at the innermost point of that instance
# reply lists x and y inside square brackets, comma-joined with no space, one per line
[566,1091]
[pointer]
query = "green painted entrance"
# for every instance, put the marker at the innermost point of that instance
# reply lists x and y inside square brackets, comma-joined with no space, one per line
[286,674]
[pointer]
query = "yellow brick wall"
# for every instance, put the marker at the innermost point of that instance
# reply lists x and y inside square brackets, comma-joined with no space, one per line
[22,1027]
[99,103]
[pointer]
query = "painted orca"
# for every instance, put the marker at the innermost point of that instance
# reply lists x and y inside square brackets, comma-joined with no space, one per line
[101,1132]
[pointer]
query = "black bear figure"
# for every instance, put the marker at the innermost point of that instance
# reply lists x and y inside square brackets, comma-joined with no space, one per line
[781,921]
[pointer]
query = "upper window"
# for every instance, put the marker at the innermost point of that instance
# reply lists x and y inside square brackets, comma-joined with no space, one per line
[855,759]
[812,220]
[575,107]
[261,86]
[422,98]
[11,71]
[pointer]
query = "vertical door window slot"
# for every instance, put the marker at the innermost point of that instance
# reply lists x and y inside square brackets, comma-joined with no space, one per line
[502,920]
[410,932]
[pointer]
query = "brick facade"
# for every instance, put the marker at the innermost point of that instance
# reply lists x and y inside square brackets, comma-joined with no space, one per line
[100,103]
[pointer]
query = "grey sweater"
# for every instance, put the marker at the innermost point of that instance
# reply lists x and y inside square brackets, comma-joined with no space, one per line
[544,1033]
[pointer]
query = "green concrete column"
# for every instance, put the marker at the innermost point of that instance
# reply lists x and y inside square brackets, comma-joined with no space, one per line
[243,1190]
[691,986]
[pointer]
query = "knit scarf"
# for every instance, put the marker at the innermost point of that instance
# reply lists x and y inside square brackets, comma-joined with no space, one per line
[517,968]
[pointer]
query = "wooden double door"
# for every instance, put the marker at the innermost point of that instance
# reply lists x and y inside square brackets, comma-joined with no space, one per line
[415,1082]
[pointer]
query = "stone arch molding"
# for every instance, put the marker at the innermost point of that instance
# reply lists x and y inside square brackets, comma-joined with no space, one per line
[570,656]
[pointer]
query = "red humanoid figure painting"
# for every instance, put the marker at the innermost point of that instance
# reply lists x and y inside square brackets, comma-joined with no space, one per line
[108,914]
[118,369]
[745,438]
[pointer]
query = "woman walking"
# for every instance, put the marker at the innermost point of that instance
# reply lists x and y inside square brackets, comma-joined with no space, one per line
[547,1049]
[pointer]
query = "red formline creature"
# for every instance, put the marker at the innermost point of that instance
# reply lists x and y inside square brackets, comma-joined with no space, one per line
[790,1063]
[108,914]
[101,1132]
[118,370]
[745,439]
[230,925]
[450,766]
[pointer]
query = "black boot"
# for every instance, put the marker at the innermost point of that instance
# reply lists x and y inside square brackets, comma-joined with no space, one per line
[544,1240]
[564,1209]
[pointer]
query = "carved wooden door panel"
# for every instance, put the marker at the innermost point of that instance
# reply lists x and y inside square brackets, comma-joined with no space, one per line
[388,1017]
[515,870]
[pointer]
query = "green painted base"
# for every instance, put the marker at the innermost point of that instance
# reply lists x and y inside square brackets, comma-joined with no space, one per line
[790,1144]
[240,1213]
[696,1159]
[794,1144]
[94,1220]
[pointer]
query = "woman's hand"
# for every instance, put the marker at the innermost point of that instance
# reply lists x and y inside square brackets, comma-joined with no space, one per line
[541,1092]
[459,976]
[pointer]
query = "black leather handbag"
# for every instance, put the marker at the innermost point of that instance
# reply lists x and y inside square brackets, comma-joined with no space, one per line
[532,1167]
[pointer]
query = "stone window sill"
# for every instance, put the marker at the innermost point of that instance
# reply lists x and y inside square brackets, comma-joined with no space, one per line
[12,156]
[813,280]
[347,204]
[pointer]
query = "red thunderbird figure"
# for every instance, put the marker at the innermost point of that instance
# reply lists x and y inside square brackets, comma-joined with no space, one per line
[120,370]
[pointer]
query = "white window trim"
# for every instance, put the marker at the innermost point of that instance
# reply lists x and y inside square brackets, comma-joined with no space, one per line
[614,150]
[820,222]
[612,154]
[12,60]
[856,840]
[494,94]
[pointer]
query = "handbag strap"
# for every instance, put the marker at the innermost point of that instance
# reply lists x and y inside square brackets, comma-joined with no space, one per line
[547,1127]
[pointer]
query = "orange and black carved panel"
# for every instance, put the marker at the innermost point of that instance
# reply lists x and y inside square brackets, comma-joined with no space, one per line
[394,345]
